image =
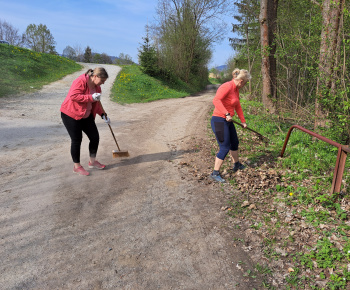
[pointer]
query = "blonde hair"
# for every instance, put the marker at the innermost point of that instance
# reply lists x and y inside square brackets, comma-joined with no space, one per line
[99,71]
[241,74]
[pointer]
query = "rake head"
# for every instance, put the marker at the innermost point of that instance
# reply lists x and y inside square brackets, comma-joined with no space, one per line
[263,138]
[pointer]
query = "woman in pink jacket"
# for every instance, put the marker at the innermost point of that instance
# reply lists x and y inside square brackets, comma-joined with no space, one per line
[78,112]
[226,102]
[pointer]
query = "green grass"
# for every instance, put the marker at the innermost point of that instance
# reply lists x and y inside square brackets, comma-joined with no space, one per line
[303,156]
[133,86]
[25,70]
[306,177]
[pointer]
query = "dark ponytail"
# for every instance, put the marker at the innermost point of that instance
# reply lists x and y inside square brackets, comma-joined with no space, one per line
[90,72]
[98,71]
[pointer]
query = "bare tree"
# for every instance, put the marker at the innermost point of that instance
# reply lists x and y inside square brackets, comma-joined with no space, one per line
[10,34]
[79,52]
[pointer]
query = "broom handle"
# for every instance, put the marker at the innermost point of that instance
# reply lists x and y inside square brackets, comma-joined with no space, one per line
[110,128]
[114,136]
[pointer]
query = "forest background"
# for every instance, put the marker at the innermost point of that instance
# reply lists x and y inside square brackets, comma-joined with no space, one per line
[297,52]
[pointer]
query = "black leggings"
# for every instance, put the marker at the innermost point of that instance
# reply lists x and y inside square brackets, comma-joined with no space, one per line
[75,130]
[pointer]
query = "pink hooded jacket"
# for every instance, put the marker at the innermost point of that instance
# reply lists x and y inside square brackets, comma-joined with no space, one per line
[75,103]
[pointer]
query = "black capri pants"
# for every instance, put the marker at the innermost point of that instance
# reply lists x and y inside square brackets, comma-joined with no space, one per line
[75,130]
[226,135]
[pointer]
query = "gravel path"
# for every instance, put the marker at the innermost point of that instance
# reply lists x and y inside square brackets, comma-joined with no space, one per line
[139,224]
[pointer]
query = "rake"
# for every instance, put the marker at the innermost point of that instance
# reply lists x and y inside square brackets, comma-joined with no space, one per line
[261,137]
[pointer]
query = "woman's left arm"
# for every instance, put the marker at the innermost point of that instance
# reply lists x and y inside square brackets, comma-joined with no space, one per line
[240,114]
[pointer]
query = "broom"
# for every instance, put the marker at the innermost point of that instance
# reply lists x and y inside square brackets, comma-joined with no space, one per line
[116,153]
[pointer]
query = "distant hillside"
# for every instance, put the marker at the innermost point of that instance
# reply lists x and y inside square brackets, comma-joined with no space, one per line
[221,67]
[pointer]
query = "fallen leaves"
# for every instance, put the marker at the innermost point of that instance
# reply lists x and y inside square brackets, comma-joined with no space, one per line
[257,181]
[252,206]
[274,231]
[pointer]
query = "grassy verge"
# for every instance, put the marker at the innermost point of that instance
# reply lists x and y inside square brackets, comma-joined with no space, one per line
[25,70]
[304,230]
[133,86]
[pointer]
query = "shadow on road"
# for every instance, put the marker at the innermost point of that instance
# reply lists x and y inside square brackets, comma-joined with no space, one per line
[167,155]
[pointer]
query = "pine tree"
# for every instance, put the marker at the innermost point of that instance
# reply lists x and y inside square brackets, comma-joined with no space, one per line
[148,57]
[88,55]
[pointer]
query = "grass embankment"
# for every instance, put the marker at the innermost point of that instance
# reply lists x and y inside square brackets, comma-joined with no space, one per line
[288,202]
[24,70]
[133,86]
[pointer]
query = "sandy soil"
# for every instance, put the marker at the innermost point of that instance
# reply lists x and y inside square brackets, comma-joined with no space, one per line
[139,224]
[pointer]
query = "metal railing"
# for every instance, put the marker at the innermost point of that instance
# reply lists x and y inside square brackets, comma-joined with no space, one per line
[341,158]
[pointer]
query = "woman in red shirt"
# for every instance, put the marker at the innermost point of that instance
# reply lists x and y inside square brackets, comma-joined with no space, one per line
[226,102]
[78,112]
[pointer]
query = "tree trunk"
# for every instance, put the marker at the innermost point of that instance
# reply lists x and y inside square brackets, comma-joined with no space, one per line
[249,62]
[329,51]
[268,18]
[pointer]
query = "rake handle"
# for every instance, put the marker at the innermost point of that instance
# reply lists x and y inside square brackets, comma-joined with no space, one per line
[249,129]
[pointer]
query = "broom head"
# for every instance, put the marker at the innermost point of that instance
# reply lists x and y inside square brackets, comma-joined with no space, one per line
[117,153]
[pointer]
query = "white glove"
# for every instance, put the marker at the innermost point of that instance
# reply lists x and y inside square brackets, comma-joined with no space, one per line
[107,120]
[96,96]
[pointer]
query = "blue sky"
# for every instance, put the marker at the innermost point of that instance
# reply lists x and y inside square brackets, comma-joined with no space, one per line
[107,26]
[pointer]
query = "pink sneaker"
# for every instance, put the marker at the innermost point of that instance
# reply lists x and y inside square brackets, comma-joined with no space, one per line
[96,165]
[81,171]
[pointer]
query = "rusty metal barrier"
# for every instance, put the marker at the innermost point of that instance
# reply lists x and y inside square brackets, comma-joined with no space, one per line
[341,158]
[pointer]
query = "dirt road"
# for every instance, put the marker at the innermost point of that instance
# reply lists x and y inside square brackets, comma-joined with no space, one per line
[139,224]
